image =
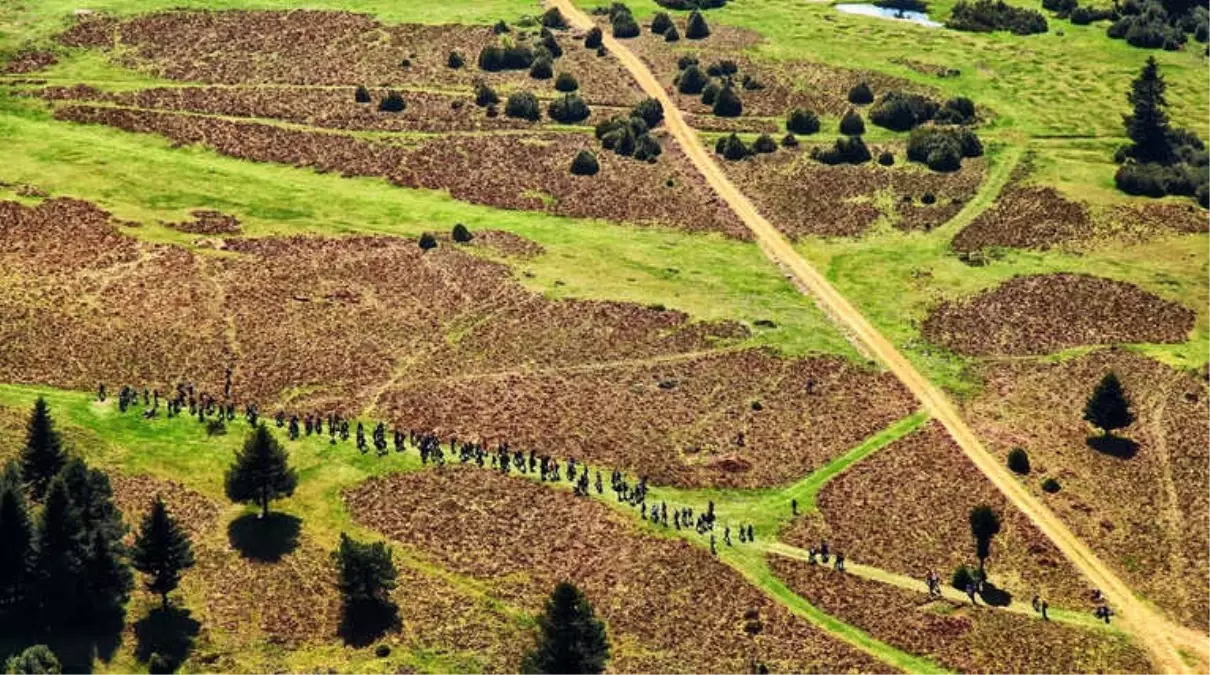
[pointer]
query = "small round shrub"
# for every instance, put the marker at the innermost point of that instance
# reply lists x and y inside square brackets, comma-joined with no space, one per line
[624,26]
[802,122]
[861,94]
[723,68]
[650,110]
[553,18]
[764,144]
[392,103]
[427,241]
[852,124]
[660,23]
[592,39]
[1051,486]
[696,28]
[886,158]
[542,69]
[1018,461]
[500,28]
[566,82]
[460,234]
[485,95]
[492,111]
[362,95]
[585,164]
[455,60]
[728,103]
[710,93]
[646,148]
[672,34]
[732,147]
[382,651]
[789,141]
[522,105]
[569,109]
[691,80]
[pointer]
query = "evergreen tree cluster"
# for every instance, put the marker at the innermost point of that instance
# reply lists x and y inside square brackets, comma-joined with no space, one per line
[943,148]
[1080,15]
[1159,160]
[63,566]
[899,111]
[686,5]
[846,150]
[1158,24]
[715,84]
[986,16]
[631,136]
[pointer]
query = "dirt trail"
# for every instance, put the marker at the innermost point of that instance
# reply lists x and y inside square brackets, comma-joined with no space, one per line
[1162,638]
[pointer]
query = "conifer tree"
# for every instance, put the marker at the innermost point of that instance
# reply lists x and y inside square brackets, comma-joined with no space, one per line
[1108,409]
[161,550]
[43,454]
[696,28]
[16,542]
[260,472]
[1147,125]
[571,638]
[60,555]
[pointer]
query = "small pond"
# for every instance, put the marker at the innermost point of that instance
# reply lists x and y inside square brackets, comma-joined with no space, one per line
[865,9]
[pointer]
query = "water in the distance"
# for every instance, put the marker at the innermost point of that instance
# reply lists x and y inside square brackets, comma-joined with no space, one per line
[887,13]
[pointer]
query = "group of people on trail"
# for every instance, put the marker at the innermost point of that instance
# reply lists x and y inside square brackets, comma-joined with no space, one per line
[823,553]
[501,458]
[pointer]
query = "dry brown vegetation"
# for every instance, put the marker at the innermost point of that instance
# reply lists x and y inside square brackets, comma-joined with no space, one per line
[1146,515]
[906,510]
[206,221]
[804,197]
[669,606]
[957,635]
[1047,313]
[197,513]
[29,62]
[447,341]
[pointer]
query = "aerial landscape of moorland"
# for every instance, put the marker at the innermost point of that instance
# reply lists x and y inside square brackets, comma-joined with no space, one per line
[566,336]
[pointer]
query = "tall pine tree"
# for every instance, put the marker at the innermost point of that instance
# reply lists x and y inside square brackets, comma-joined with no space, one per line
[260,472]
[1108,409]
[162,550]
[1147,125]
[16,543]
[571,639]
[107,579]
[985,524]
[43,456]
[59,561]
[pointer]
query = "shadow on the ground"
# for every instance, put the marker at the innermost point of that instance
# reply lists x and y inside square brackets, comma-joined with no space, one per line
[167,632]
[995,597]
[1114,446]
[265,539]
[363,623]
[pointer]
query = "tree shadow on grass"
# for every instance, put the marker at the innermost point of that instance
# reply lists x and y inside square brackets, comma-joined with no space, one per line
[1114,446]
[995,597]
[265,539]
[78,648]
[169,632]
[363,623]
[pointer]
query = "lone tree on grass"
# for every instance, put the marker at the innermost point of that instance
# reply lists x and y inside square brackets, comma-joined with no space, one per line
[1147,125]
[985,524]
[571,638]
[260,472]
[427,241]
[43,454]
[1108,409]
[161,550]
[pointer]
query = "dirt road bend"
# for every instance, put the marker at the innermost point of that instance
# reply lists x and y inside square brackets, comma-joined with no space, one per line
[1165,641]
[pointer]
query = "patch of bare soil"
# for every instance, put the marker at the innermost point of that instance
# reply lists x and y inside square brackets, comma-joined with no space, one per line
[1147,515]
[669,606]
[965,638]
[906,509]
[1047,313]
[803,197]
[529,172]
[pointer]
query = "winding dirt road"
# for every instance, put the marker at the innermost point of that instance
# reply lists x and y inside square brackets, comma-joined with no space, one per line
[1165,641]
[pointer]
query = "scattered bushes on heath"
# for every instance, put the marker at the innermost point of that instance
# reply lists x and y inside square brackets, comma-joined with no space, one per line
[986,16]
[523,105]
[802,122]
[942,148]
[847,150]
[585,164]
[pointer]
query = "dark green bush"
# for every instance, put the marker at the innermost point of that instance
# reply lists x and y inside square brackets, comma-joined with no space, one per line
[660,23]
[393,102]
[566,82]
[1051,486]
[455,60]
[724,68]
[592,39]
[847,150]
[691,80]
[542,69]
[732,147]
[696,28]
[1018,461]
[672,34]
[985,16]
[500,28]
[362,95]
[861,94]
[585,164]
[928,199]
[802,122]
[647,148]
[553,18]
[522,105]
[960,110]
[569,109]
[789,141]
[685,61]
[485,95]
[427,241]
[963,576]
[461,234]
[942,148]
[764,144]
[886,158]
[852,124]
[728,103]
[494,58]
[898,111]
[649,110]
[710,93]
[624,25]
